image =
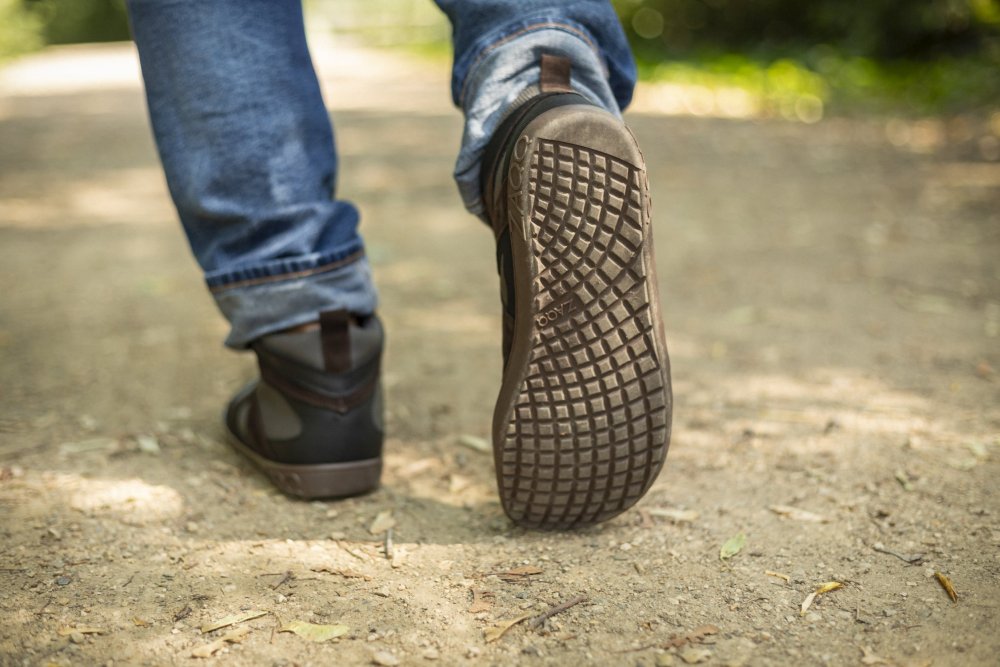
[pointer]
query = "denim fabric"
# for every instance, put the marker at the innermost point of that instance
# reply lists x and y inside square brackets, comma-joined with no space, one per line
[248,149]
[498,79]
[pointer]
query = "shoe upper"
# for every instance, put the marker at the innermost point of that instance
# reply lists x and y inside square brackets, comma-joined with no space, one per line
[496,161]
[318,399]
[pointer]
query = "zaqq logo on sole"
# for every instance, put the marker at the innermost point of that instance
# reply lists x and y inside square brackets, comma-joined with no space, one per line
[558,310]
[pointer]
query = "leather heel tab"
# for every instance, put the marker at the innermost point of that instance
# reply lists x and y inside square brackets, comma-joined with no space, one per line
[335,334]
[555,76]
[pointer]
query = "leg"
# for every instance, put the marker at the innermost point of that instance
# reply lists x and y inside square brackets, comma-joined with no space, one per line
[249,156]
[498,44]
[248,152]
[582,422]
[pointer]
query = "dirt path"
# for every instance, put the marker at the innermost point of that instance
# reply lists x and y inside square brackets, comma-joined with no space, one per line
[833,310]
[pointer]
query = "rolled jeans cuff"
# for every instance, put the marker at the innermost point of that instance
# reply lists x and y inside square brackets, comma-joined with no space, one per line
[257,307]
[500,73]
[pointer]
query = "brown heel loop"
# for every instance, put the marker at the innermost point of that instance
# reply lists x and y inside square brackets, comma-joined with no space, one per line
[555,74]
[335,334]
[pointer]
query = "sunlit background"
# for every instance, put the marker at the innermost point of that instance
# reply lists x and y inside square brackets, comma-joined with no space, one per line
[798,60]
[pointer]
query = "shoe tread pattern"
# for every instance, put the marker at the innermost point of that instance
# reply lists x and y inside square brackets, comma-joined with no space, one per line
[590,422]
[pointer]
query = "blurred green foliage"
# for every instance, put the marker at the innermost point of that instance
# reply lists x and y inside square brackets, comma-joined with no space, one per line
[917,56]
[20,29]
[879,29]
[28,24]
[75,21]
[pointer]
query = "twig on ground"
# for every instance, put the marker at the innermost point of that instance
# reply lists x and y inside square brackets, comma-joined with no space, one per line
[388,544]
[537,621]
[285,579]
[350,551]
[912,559]
[42,610]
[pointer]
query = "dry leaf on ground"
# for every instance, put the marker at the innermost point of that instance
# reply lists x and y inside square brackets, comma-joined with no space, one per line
[313,632]
[91,445]
[677,516]
[481,601]
[497,630]
[904,480]
[383,522]
[946,584]
[829,586]
[211,648]
[778,575]
[476,443]
[732,546]
[823,588]
[232,620]
[797,514]
[148,444]
[807,603]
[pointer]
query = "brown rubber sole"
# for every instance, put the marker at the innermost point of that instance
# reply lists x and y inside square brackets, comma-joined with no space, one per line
[324,480]
[582,422]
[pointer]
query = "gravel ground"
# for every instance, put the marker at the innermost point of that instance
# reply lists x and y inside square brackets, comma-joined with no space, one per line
[832,300]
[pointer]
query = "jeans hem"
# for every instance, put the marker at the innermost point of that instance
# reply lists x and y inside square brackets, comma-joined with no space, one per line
[264,308]
[283,270]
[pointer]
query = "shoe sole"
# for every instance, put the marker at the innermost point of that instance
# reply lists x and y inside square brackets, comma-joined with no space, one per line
[582,422]
[314,481]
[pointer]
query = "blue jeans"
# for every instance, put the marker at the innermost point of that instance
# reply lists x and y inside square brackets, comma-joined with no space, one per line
[248,148]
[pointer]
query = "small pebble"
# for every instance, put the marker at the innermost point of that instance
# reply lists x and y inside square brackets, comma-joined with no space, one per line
[385,659]
[148,444]
[63,581]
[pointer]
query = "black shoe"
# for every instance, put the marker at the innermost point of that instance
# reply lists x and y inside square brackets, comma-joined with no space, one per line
[313,420]
[582,423]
